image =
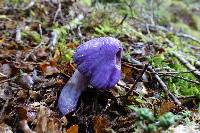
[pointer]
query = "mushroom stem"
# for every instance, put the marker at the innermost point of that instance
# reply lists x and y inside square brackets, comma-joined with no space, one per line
[71,91]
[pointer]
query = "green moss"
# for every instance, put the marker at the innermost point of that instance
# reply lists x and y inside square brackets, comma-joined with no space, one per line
[157,61]
[33,35]
[178,86]
[66,52]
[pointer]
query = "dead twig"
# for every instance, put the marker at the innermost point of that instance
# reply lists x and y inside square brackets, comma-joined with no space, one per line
[187,97]
[133,92]
[188,36]
[53,40]
[191,60]
[18,35]
[2,75]
[6,80]
[184,61]
[128,88]
[124,18]
[162,84]
[137,80]
[187,64]
[188,80]
[59,10]
[162,28]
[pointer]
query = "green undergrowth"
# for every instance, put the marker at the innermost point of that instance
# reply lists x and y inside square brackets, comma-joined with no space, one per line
[66,53]
[167,62]
[177,85]
[149,122]
[107,20]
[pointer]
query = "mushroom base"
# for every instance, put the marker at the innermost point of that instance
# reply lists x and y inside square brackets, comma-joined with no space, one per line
[71,92]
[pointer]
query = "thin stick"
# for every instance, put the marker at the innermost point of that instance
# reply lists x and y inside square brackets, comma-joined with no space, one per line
[187,64]
[122,21]
[188,80]
[6,80]
[59,10]
[188,36]
[162,28]
[137,80]
[2,75]
[162,84]
[164,87]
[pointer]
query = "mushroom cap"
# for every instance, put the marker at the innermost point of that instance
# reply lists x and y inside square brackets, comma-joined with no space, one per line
[99,60]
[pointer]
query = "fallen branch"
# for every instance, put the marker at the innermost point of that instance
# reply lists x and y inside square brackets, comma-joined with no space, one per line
[6,80]
[18,35]
[137,80]
[187,64]
[2,75]
[162,84]
[59,10]
[162,28]
[183,60]
[170,73]
[188,36]
[188,80]
[196,62]
[53,40]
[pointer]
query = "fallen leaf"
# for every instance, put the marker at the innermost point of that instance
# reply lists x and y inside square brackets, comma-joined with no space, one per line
[141,89]
[47,69]
[26,80]
[54,126]
[73,129]
[166,106]
[41,53]
[100,123]
[127,71]
[22,113]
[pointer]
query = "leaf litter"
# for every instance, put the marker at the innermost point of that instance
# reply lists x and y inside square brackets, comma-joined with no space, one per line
[35,64]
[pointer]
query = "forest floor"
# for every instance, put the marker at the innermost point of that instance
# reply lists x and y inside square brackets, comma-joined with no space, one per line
[159,90]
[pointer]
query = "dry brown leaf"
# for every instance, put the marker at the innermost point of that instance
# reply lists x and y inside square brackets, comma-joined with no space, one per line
[141,89]
[22,113]
[47,69]
[166,106]
[26,81]
[41,53]
[73,129]
[100,123]
[42,124]
[71,45]
[23,94]
[127,71]
[2,39]
[57,54]
[10,24]
[54,126]
[51,126]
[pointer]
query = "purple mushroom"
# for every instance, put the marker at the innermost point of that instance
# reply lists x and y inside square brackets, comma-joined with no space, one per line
[98,64]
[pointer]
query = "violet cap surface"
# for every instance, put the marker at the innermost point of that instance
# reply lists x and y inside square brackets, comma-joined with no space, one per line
[99,60]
